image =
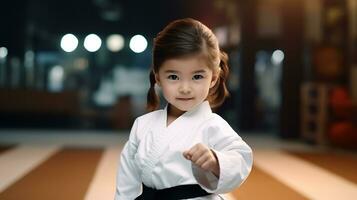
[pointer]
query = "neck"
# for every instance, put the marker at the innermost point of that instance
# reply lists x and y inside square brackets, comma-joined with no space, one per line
[173,113]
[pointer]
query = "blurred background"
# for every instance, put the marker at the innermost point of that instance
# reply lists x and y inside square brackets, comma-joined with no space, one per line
[82,66]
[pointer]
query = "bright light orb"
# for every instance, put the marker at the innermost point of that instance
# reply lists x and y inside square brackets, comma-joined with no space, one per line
[138,43]
[69,42]
[3,52]
[277,57]
[92,43]
[115,42]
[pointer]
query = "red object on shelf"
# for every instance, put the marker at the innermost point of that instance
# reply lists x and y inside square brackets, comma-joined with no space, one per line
[343,134]
[341,103]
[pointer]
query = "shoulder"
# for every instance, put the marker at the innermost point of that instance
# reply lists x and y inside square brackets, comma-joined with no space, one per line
[217,126]
[216,120]
[147,118]
[142,123]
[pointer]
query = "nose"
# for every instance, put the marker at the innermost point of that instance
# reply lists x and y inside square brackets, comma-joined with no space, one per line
[185,88]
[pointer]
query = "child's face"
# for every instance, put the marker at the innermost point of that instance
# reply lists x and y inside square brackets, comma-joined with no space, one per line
[185,82]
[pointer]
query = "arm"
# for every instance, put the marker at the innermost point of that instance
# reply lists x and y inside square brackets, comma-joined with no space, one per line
[128,180]
[234,160]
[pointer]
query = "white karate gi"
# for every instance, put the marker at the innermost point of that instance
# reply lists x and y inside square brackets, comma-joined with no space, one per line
[153,154]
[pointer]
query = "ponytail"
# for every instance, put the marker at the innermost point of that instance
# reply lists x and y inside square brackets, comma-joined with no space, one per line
[153,100]
[219,92]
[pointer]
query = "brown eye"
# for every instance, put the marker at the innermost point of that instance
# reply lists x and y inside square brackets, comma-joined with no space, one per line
[197,77]
[173,77]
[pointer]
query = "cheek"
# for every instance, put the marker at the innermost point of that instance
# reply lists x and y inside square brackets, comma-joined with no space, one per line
[168,91]
[203,89]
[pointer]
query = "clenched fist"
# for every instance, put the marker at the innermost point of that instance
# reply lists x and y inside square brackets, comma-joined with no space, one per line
[203,157]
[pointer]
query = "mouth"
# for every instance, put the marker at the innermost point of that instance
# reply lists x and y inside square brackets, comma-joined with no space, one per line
[184,99]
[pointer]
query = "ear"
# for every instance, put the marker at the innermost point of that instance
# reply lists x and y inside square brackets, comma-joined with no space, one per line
[214,80]
[157,79]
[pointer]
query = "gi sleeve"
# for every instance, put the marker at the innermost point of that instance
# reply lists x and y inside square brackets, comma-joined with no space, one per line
[129,184]
[234,157]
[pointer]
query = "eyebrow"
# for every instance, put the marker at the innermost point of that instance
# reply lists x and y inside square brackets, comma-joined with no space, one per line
[170,71]
[200,71]
[195,72]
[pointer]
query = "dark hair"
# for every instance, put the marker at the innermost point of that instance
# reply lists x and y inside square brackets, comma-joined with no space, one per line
[186,37]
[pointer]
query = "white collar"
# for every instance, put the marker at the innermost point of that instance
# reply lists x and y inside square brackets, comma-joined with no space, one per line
[198,113]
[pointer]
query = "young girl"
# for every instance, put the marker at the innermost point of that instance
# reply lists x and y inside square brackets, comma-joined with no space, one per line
[184,151]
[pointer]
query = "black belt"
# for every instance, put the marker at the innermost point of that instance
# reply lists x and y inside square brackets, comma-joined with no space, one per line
[173,193]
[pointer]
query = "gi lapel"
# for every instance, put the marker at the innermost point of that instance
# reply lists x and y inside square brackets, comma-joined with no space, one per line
[185,125]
